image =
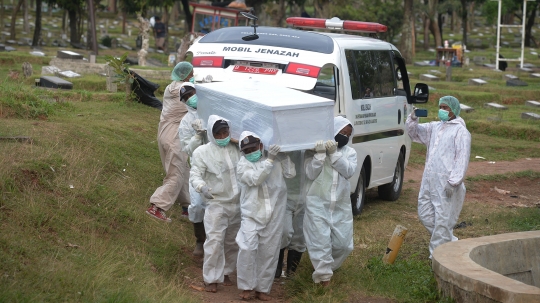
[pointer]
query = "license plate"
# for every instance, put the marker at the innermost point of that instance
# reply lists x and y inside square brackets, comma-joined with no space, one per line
[255,70]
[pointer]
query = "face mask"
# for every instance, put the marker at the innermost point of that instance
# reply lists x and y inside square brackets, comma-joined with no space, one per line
[223,142]
[192,80]
[443,115]
[341,140]
[192,101]
[254,156]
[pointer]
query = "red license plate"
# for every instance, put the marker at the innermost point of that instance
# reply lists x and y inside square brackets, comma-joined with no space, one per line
[255,70]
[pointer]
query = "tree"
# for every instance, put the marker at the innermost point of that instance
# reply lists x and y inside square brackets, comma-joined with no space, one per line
[531,10]
[74,12]
[12,35]
[407,32]
[37,28]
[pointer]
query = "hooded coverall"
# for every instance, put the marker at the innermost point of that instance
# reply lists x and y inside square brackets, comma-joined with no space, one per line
[215,167]
[447,158]
[263,200]
[176,182]
[328,222]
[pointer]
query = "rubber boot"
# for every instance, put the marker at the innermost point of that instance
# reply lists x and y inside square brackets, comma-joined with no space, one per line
[200,235]
[293,259]
[279,268]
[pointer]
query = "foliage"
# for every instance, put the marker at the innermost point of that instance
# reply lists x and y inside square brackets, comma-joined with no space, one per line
[106,41]
[121,69]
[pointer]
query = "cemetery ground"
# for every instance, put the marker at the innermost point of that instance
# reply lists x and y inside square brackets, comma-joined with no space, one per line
[75,184]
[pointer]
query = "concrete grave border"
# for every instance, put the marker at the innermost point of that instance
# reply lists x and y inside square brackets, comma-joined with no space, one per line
[463,279]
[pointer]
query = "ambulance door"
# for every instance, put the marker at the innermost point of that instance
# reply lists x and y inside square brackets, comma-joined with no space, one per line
[374,111]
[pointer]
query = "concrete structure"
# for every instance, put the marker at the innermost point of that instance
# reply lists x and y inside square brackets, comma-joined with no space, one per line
[531,116]
[428,77]
[501,268]
[477,82]
[532,103]
[510,77]
[465,108]
[495,106]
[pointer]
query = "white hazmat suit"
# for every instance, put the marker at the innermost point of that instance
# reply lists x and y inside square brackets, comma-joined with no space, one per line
[447,158]
[215,166]
[175,161]
[263,201]
[328,222]
[189,142]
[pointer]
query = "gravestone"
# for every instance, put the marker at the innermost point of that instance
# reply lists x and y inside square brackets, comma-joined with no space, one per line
[2,47]
[494,105]
[64,54]
[510,77]
[535,75]
[532,103]
[114,43]
[434,71]
[477,82]
[516,82]
[492,66]
[126,46]
[532,116]
[479,60]
[111,85]
[418,63]
[54,82]
[526,69]
[27,69]
[465,108]
[428,77]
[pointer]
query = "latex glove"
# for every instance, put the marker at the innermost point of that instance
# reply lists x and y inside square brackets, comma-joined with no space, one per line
[207,192]
[273,151]
[413,114]
[331,146]
[197,126]
[449,190]
[319,147]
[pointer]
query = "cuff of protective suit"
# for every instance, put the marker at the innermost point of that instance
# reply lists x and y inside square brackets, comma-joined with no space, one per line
[199,187]
[197,137]
[320,156]
[271,161]
[454,185]
[335,156]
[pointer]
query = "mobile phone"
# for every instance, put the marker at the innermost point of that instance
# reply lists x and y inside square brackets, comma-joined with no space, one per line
[420,112]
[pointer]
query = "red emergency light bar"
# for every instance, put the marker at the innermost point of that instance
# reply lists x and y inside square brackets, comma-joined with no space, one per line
[337,24]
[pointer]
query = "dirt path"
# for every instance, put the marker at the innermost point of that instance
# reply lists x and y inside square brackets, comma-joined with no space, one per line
[477,168]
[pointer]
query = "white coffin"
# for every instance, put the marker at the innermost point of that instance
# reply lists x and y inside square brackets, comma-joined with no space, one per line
[279,115]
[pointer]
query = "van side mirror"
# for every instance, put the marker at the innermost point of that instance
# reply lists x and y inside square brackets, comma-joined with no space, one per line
[421,93]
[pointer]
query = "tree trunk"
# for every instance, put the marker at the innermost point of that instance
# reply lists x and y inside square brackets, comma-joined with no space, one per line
[112,6]
[124,16]
[464,20]
[26,28]
[174,12]
[426,32]
[453,20]
[407,32]
[470,21]
[187,13]
[72,15]
[12,35]
[441,23]
[37,28]
[433,23]
[530,23]
[165,20]
[2,12]
[64,15]
[281,13]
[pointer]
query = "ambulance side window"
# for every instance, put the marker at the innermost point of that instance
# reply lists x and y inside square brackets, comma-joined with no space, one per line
[397,74]
[374,76]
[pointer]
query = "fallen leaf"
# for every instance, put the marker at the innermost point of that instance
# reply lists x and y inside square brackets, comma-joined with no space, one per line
[363,246]
[72,245]
[196,287]
[479,157]
[501,191]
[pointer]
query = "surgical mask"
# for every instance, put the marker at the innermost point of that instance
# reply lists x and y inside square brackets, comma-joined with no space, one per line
[223,142]
[341,140]
[443,115]
[254,156]
[192,80]
[192,101]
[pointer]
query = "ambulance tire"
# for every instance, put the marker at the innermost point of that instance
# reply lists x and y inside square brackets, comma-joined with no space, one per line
[358,198]
[391,191]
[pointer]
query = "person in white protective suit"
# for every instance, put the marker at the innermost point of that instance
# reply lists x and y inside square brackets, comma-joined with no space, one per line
[442,191]
[328,222]
[263,200]
[175,162]
[213,174]
[292,238]
[192,135]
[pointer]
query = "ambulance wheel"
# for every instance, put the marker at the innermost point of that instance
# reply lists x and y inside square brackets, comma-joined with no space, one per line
[391,191]
[359,196]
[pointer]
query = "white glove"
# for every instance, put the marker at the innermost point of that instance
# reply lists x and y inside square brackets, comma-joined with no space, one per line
[208,79]
[449,190]
[413,114]
[197,126]
[319,147]
[273,151]
[331,146]
[207,192]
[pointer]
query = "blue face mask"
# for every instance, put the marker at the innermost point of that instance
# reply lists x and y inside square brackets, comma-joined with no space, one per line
[443,115]
[192,101]
[254,156]
[223,142]
[192,80]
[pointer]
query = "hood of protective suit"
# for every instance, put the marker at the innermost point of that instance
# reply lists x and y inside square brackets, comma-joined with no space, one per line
[339,123]
[211,121]
[244,134]
[458,119]
[174,89]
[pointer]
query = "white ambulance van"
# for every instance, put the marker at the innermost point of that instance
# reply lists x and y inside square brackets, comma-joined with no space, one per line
[366,77]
